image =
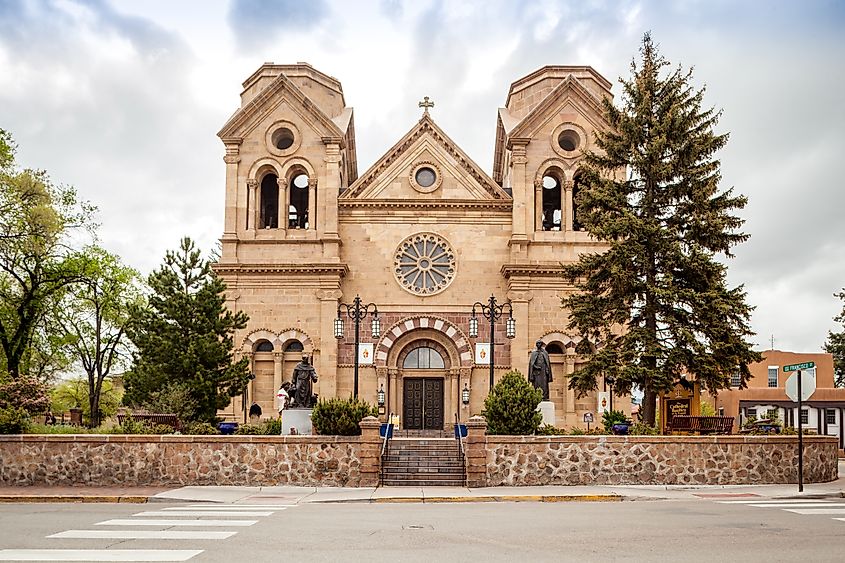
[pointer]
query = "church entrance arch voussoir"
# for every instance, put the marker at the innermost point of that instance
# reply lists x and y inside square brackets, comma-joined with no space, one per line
[397,337]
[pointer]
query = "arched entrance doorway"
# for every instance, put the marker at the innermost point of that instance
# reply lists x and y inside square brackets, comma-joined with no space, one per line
[423,386]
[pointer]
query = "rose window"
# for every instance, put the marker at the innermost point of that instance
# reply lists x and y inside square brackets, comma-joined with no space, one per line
[424,264]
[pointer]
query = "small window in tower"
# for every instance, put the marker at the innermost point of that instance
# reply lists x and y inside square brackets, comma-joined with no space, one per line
[282,138]
[425,177]
[568,140]
[294,346]
[576,189]
[552,210]
[264,346]
[554,348]
[269,204]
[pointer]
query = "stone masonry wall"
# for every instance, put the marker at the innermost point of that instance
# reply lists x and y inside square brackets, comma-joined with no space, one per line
[191,460]
[644,460]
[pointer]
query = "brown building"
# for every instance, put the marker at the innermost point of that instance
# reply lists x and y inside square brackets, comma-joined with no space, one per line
[423,234]
[822,412]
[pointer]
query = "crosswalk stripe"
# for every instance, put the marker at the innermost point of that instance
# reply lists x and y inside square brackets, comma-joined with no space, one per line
[198,513]
[143,535]
[774,501]
[163,523]
[840,511]
[220,508]
[242,506]
[806,505]
[98,554]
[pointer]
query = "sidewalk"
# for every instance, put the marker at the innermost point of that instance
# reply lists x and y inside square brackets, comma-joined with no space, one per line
[306,495]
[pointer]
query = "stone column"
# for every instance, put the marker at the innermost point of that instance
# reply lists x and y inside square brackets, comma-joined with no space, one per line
[252,208]
[476,452]
[571,416]
[284,206]
[521,196]
[370,453]
[278,358]
[328,200]
[521,344]
[538,205]
[569,210]
[327,360]
[312,204]
[454,395]
[393,401]
[230,219]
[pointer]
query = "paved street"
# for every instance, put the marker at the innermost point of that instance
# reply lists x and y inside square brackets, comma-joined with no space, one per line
[745,528]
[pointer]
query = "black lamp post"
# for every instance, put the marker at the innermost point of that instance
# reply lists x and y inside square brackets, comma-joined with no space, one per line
[357,312]
[610,380]
[492,312]
[249,377]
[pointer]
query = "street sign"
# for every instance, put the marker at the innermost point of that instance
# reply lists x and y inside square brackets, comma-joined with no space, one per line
[808,385]
[796,367]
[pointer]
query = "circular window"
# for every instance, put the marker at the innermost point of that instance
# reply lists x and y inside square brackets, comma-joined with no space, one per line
[282,138]
[425,177]
[424,264]
[568,140]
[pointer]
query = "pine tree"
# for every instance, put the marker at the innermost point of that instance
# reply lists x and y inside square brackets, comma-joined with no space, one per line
[186,335]
[655,304]
[511,407]
[836,345]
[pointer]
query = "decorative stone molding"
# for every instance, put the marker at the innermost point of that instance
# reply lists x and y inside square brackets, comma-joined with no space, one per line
[408,324]
[329,294]
[274,129]
[504,205]
[438,177]
[277,339]
[231,159]
[251,183]
[533,270]
[336,269]
[424,264]
[578,135]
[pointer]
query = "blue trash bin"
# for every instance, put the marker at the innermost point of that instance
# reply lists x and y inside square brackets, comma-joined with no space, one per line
[460,431]
[227,427]
[386,429]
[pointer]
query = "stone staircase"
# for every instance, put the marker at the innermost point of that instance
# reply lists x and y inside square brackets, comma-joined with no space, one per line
[423,462]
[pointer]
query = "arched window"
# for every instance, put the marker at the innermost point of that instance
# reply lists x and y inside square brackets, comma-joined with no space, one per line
[264,346]
[294,346]
[423,358]
[554,348]
[298,216]
[269,215]
[576,187]
[552,208]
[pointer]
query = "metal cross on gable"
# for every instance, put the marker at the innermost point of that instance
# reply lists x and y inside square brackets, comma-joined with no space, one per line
[426,103]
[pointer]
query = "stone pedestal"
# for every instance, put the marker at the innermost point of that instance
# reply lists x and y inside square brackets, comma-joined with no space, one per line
[547,408]
[298,419]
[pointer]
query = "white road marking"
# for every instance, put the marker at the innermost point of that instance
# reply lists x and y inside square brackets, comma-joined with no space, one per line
[243,506]
[198,513]
[98,554]
[221,508]
[804,505]
[774,501]
[143,535]
[210,523]
[840,511]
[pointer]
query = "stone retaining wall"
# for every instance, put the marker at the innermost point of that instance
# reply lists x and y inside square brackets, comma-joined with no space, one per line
[191,460]
[644,460]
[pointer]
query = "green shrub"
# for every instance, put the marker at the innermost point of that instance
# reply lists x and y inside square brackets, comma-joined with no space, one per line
[131,426]
[250,429]
[273,426]
[511,408]
[609,418]
[13,420]
[25,393]
[59,429]
[643,429]
[549,430]
[592,432]
[340,417]
[200,429]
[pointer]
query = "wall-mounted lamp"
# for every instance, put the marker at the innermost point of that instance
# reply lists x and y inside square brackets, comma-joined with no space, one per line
[338,327]
[380,396]
[465,394]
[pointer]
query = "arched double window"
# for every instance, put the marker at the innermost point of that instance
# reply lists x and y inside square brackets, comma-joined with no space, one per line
[423,358]
[298,202]
[269,202]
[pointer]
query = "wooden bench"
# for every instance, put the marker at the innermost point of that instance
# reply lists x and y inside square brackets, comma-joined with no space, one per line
[702,424]
[171,420]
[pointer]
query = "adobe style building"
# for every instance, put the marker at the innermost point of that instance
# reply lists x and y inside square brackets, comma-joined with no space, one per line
[423,234]
[822,412]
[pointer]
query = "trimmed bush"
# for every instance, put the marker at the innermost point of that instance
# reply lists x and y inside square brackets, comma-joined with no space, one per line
[13,420]
[200,429]
[511,408]
[340,417]
[549,430]
[609,418]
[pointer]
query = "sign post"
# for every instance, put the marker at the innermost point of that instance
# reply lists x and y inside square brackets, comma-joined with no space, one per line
[799,398]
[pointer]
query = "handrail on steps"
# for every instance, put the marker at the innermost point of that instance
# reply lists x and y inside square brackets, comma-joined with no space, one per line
[388,432]
[459,435]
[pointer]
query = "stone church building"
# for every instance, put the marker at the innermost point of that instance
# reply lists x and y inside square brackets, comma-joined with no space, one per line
[423,234]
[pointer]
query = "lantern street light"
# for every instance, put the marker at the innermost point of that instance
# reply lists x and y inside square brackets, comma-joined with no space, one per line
[492,312]
[465,394]
[380,396]
[357,312]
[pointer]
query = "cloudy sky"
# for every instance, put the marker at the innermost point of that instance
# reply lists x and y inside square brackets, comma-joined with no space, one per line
[123,99]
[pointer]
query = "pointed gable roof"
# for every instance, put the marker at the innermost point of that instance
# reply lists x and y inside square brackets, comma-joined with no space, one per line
[569,87]
[426,126]
[256,109]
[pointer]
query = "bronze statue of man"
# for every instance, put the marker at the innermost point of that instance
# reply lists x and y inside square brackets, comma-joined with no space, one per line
[540,369]
[304,375]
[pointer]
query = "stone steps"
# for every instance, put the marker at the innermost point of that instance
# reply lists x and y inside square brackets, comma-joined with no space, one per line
[423,462]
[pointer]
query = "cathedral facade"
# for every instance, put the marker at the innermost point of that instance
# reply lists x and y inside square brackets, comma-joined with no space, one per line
[422,236]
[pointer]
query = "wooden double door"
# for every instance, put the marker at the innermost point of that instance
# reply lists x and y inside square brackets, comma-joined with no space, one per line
[422,403]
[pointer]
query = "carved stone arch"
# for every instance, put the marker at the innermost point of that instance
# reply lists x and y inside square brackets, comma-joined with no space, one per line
[451,332]
[295,334]
[403,345]
[568,341]
[553,164]
[256,336]
[295,165]
[264,166]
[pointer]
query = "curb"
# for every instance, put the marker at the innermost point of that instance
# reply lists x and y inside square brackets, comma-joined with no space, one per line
[510,498]
[45,499]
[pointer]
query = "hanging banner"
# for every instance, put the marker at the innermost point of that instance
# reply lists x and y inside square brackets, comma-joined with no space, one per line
[365,353]
[482,353]
[603,401]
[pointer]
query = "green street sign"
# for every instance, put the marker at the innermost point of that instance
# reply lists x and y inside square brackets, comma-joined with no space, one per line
[796,367]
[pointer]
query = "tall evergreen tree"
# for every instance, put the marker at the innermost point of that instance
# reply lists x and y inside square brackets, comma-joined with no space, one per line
[656,302]
[836,345]
[186,335]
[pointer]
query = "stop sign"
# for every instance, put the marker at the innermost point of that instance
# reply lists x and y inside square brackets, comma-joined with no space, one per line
[808,385]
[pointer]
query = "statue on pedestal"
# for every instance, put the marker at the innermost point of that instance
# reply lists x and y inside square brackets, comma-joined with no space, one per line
[304,376]
[540,369]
